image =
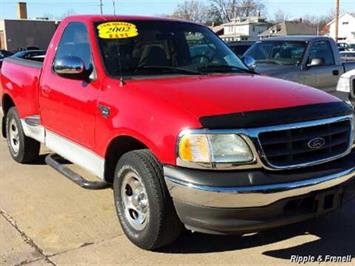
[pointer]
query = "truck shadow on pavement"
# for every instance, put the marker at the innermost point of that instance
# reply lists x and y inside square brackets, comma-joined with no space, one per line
[40,160]
[334,235]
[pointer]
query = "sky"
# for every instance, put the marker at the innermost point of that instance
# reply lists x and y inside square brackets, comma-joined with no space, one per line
[56,8]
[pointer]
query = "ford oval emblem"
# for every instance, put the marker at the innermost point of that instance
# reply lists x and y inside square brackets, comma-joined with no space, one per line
[316,143]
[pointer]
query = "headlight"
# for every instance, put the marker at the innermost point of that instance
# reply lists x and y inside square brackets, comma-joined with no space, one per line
[214,148]
[343,84]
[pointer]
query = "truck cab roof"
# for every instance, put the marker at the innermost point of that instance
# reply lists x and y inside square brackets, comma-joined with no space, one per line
[94,18]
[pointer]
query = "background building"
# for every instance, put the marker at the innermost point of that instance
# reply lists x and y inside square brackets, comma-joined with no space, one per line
[346,28]
[244,29]
[20,33]
[289,28]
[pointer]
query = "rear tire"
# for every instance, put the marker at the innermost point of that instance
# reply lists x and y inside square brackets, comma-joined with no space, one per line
[22,149]
[144,207]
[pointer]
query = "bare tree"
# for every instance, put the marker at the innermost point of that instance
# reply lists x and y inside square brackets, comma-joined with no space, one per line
[251,7]
[332,14]
[318,22]
[69,12]
[193,10]
[226,10]
[280,16]
[51,16]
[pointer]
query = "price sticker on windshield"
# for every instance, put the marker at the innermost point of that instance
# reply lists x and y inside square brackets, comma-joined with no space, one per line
[117,30]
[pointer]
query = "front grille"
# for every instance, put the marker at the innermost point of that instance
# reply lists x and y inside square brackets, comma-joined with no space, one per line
[296,146]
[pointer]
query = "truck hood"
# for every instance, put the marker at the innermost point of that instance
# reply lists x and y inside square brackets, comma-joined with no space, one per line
[224,94]
[275,70]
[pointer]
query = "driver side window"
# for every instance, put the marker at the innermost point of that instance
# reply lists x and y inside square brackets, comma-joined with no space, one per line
[321,50]
[75,42]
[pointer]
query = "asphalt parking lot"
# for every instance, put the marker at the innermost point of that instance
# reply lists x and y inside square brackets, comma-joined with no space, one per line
[46,219]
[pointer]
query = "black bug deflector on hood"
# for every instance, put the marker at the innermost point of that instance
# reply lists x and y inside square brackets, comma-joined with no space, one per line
[276,116]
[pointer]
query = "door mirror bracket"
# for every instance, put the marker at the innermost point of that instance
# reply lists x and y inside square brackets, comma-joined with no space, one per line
[249,62]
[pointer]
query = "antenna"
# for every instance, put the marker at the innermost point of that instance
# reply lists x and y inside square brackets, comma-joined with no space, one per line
[114,7]
[122,81]
[101,5]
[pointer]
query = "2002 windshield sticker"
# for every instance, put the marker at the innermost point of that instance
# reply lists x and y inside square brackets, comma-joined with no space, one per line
[117,30]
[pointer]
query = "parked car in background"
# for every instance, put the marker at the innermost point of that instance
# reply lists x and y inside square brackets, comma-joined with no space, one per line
[348,56]
[3,55]
[28,48]
[346,84]
[239,48]
[28,54]
[32,48]
[343,46]
[34,55]
[310,60]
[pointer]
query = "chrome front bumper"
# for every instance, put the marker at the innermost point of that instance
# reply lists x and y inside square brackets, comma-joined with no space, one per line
[251,196]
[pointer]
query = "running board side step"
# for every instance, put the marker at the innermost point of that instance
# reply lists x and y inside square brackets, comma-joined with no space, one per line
[70,174]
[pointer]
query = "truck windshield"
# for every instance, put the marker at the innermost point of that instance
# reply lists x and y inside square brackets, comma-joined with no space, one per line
[167,47]
[278,52]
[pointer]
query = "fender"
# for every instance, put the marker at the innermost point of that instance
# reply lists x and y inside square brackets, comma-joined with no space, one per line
[125,132]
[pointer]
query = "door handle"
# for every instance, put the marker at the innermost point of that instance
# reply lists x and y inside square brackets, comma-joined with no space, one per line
[336,72]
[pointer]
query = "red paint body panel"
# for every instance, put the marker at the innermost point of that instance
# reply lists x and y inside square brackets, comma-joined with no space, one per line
[153,111]
[144,115]
[20,82]
[156,110]
[223,94]
[68,106]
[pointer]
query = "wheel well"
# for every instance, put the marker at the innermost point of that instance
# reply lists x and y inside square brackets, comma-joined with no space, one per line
[116,149]
[7,103]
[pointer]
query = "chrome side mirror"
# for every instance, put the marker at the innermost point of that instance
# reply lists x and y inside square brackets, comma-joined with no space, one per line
[250,62]
[315,62]
[70,67]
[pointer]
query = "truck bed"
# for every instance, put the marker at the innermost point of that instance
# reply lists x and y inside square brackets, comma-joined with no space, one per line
[21,76]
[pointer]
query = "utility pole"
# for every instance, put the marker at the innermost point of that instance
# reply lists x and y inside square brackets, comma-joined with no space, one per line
[337,20]
[101,5]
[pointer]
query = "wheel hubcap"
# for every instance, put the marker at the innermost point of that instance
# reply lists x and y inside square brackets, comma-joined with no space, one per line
[14,136]
[135,200]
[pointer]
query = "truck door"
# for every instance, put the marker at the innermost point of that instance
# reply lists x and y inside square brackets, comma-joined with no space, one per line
[69,106]
[326,75]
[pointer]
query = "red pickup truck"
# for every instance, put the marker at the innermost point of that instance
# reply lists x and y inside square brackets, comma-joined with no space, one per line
[181,128]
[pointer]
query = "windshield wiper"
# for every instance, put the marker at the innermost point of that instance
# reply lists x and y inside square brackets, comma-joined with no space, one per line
[170,68]
[224,68]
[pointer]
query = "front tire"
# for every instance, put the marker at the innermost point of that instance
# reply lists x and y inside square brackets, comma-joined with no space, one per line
[144,207]
[22,149]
